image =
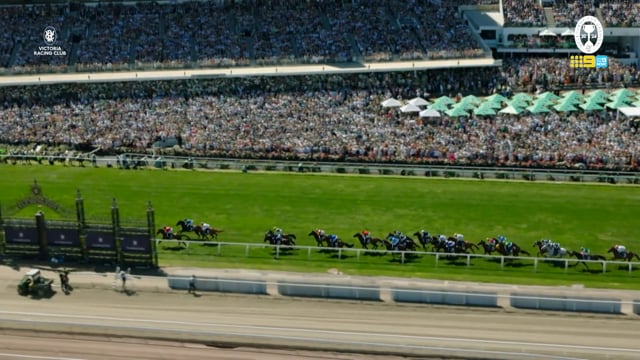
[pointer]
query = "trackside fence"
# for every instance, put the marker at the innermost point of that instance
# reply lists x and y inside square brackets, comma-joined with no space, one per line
[401,256]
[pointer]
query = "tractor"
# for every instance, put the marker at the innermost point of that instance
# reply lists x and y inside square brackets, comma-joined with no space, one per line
[33,283]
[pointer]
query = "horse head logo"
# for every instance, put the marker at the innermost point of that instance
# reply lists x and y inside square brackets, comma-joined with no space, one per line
[49,35]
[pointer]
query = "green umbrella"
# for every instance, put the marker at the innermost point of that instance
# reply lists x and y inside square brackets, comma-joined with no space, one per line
[544,101]
[496,98]
[484,109]
[565,107]
[445,100]
[636,103]
[621,96]
[522,96]
[591,106]
[538,108]
[547,96]
[511,110]
[439,106]
[624,91]
[616,104]
[471,99]
[465,105]
[598,94]
[516,103]
[491,104]
[573,97]
[456,112]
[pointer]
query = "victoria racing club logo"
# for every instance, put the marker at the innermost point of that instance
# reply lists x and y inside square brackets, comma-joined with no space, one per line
[589,34]
[49,35]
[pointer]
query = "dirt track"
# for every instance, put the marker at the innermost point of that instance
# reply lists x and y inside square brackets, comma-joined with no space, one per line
[282,322]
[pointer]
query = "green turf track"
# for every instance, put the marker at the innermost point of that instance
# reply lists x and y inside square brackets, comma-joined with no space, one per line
[246,205]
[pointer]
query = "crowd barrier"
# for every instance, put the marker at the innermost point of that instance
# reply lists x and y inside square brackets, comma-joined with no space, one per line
[351,291]
[329,291]
[575,304]
[220,285]
[470,298]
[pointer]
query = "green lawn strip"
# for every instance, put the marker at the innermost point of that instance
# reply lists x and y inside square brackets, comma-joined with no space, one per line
[246,205]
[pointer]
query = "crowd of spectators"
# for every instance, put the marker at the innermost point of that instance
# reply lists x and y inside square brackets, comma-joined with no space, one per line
[107,36]
[334,117]
[525,13]
[620,13]
[566,13]
[541,42]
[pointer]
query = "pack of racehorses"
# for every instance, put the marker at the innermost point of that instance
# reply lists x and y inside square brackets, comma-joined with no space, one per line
[185,230]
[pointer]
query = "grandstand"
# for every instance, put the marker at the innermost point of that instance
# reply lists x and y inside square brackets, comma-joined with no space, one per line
[335,115]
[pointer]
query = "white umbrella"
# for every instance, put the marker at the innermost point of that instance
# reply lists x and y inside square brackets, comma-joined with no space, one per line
[410,108]
[418,101]
[391,103]
[429,113]
[568,32]
[547,32]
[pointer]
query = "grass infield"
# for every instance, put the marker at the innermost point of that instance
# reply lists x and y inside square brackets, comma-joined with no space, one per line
[246,205]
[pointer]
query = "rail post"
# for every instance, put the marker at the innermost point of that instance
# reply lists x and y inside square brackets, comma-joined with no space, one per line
[566,266]
[535,264]
[246,250]
[502,262]
[437,258]
[468,260]
[339,253]
[402,257]
[604,266]
[630,266]
[309,252]
[219,248]
[358,255]
[277,251]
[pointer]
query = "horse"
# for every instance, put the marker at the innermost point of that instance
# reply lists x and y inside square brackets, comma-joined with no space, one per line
[410,243]
[627,255]
[206,234]
[285,239]
[184,227]
[515,250]
[179,237]
[320,240]
[464,245]
[371,240]
[488,247]
[582,257]
[551,251]
[425,240]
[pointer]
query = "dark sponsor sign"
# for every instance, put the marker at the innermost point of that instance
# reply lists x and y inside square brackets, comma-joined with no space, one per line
[63,237]
[136,243]
[100,240]
[21,236]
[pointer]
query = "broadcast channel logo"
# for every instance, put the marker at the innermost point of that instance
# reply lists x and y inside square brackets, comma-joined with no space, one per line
[589,36]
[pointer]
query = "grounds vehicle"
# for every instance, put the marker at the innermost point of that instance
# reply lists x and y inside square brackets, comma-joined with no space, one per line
[33,283]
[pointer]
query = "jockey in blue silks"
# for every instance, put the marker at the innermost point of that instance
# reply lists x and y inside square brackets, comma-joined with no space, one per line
[394,241]
[333,239]
[188,223]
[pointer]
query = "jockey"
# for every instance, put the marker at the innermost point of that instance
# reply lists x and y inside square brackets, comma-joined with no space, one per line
[508,245]
[442,238]
[366,235]
[585,251]
[206,227]
[621,249]
[394,241]
[168,232]
[188,223]
[501,239]
[424,234]
[491,241]
[277,234]
[451,246]
[320,233]
[333,239]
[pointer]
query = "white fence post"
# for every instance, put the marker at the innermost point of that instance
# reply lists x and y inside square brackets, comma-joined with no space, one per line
[277,251]
[502,262]
[630,267]
[437,258]
[246,251]
[604,267]
[358,255]
[339,253]
[219,248]
[468,260]
[535,265]
[566,265]
[309,252]
[402,257]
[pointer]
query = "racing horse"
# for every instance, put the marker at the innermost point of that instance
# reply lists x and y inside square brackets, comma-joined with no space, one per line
[410,243]
[586,257]
[180,237]
[489,246]
[285,239]
[549,249]
[464,245]
[622,255]
[425,239]
[184,228]
[515,250]
[210,233]
[320,240]
[371,240]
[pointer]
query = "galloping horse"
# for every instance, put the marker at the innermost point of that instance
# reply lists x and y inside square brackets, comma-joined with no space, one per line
[488,247]
[337,243]
[515,250]
[410,243]
[285,239]
[425,240]
[211,233]
[584,257]
[365,242]
[179,237]
[626,255]
[550,250]
[320,240]
[184,228]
